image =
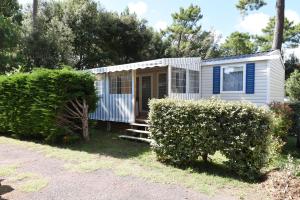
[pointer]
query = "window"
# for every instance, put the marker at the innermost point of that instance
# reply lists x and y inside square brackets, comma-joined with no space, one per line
[99,84]
[193,81]
[120,83]
[178,80]
[233,79]
[162,85]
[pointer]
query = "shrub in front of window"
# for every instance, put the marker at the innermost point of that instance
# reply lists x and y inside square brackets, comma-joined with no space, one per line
[184,131]
[31,102]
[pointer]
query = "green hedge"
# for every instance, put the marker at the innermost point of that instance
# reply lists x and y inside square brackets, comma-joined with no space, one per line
[295,130]
[183,131]
[29,102]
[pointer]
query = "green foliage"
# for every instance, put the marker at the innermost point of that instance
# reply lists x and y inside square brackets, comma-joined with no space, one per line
[84,35]
[185,35]
[291,35]
[238,43]
[29,103]
[291,64]
[185,130]
[10,20]
[11,9]
[293,86]
[282,122]
[295,130]
[249,5]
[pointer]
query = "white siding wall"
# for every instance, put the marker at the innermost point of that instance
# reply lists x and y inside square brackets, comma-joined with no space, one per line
[188,64]
[260,94]
[120,107]
[112,107]
[101,112]
[277,80]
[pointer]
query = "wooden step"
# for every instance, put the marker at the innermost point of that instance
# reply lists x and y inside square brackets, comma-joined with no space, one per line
[138,131]
[138,124]
[135,138]
[144,121]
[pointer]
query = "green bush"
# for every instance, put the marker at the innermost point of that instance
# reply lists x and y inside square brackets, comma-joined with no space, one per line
[30,102]
[293,86]
[295,130]
[183,131]
[282,119]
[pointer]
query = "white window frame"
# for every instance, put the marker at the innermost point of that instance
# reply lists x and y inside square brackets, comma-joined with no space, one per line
[189,79]
[244,78]
[186,80]
[167,82]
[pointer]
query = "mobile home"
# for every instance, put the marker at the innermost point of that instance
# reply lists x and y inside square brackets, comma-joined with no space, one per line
[124,90]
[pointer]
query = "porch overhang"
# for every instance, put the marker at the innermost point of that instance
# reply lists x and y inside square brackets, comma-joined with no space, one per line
[131,66]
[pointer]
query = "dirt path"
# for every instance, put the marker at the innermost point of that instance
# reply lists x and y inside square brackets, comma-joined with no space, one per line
[65,185]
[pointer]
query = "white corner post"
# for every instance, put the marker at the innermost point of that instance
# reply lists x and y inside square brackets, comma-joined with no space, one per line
[169,80]
[133,92]
[187,81]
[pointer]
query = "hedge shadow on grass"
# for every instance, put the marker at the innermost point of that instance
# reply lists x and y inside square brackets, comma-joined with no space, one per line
[108,144]
[217,169]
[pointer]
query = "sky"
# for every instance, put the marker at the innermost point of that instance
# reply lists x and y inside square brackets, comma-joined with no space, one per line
[218,15]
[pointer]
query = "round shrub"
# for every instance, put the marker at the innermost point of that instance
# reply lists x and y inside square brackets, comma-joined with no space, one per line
[183,131]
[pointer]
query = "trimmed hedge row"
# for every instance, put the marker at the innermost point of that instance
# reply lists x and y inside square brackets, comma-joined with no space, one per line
[30,102]
[183,131]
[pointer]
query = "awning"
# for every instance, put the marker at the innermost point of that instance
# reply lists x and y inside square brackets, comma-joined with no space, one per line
[131,66]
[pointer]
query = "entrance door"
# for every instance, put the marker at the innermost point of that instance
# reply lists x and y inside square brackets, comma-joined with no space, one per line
[146,92]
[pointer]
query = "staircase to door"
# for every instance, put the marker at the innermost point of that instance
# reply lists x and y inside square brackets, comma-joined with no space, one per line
[139,131]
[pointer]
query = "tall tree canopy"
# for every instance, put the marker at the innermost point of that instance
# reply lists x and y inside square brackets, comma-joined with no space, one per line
[291,35]
[246,5]
[185,34]
[238,43]
[82,34]
[10,21]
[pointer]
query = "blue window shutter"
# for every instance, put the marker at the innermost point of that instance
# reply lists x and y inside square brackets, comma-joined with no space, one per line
[216,79]
[250,78]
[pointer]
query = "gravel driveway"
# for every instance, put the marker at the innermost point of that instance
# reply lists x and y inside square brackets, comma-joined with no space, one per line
[100,184]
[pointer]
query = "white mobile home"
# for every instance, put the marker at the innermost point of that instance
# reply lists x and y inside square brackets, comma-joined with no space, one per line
[124,90]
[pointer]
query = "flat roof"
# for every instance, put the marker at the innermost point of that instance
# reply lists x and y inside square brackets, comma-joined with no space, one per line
[166,61]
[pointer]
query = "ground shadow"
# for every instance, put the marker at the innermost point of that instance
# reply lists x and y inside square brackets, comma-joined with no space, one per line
[290,148]
[109,144]
[4,189]
[220,170]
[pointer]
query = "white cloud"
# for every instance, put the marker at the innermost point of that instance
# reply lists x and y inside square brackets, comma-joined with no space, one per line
[139,7]
[253,23]
[160,25]
[295,51]
[219,38]
[292,16]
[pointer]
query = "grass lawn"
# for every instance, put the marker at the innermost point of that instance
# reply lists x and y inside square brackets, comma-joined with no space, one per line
[107,151]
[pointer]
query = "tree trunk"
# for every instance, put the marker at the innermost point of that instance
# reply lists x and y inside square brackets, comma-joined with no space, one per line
[85,121]
[34,12]
[298,140]
[205,157]
[75,110]
[279,25]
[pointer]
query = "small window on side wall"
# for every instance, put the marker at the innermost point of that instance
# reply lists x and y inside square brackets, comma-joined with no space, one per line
[120,83]
[178,83]
[233,79]
[194,77]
